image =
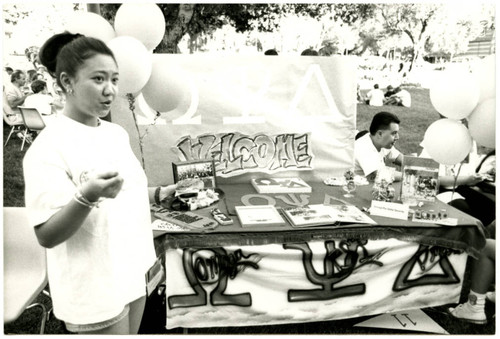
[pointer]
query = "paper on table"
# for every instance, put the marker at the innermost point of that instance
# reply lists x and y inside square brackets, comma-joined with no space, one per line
[389,210]
[161,225]
[265,215]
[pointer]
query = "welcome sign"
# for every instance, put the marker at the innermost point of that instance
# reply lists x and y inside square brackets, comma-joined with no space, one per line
[254,115]
[309,281]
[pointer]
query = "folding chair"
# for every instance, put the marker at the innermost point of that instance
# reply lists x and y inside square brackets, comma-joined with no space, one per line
[25,266]
[32,120]
[12,119]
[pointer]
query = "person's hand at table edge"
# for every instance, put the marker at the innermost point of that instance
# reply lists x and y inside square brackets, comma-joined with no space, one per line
[159,193]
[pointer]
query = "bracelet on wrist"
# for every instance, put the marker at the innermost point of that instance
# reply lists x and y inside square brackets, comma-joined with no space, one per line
[157,195]
[79,197]
[81,202]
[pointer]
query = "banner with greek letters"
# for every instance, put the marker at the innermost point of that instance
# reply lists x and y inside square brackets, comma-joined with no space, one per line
[306,282]
[254,115]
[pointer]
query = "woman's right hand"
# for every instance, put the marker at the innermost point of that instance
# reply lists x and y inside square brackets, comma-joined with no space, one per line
[102,185]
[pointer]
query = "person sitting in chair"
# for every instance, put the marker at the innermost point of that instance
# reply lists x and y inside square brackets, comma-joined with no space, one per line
[372,150]
[40,99]
[13,91]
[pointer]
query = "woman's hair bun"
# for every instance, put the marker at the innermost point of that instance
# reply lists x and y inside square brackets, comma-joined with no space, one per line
[50,49]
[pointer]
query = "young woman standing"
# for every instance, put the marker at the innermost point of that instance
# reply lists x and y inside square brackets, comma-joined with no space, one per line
[87,196]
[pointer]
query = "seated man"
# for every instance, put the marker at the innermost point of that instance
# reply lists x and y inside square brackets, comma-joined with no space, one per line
[401,97]
[374,149]
[13,91]
[40,99]
[375,97]
[389,92]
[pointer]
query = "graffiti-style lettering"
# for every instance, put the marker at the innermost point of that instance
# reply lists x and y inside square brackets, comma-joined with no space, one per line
[291,199]
[294,200]
[426,258]
[335,271]
[204,267]
[235,153]
[247,198]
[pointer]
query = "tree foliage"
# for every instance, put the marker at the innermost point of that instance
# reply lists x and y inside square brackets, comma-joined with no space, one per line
[437,25]
[195,19]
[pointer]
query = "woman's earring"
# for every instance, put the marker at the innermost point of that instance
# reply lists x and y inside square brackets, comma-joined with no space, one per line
[69,90]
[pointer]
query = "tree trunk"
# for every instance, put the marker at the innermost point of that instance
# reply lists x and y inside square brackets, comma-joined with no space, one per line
[194,43]
[175,29]
[94,8]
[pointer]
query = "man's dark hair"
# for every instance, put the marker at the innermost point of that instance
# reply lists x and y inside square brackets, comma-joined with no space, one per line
[375,86]
[309,51]
[38,85]
[271,52]
[16,75]
[381,121]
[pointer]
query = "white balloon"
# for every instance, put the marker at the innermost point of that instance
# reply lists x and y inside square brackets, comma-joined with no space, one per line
[91,25]
[134,63]
[166,87]
[482,123]
[485,74]
[143,21]
[447,141]
[455,94]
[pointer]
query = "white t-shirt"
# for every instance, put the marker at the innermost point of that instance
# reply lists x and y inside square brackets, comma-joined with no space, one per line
[12,92]
[39,101]
[366,157]
[375,97]
[405,97]
[102,267]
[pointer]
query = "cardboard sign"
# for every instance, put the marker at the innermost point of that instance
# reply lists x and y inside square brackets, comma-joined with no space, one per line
[411,320]
[234,112]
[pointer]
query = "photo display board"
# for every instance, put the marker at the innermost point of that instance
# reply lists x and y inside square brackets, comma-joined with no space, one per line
[254,115]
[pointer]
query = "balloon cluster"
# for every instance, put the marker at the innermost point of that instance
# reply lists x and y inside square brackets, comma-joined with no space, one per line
[138,30]
[457,96]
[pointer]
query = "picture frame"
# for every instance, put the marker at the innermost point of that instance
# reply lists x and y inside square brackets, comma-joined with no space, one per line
[420,180]
[202,169]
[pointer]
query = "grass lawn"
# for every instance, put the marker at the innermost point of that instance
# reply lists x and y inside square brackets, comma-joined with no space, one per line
[414,122]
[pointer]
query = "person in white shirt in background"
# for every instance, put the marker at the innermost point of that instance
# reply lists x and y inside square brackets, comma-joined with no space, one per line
[401,97]
[14,90]
[375,97]
[374,149]
[7,71]
[40,99]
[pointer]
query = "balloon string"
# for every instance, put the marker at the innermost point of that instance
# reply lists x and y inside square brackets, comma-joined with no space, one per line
[131,102]
[158,114]
[455,181]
